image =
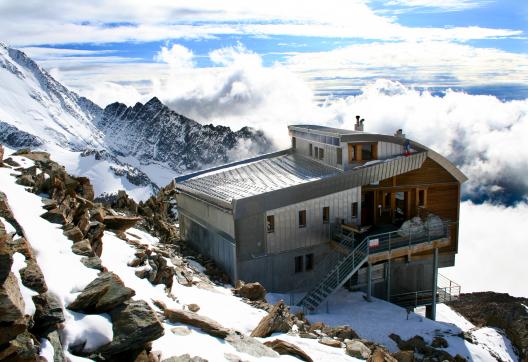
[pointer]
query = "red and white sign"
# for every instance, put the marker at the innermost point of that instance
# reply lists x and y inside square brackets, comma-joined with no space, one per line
[373,243]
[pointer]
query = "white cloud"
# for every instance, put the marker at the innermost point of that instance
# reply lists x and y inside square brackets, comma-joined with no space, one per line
[105,93]
[445,5]
[176,56]
[491,240]
[59,22]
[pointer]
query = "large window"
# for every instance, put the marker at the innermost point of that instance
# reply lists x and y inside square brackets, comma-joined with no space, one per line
[362,152]
[302,218]
[326,215]
[354,210]
[299,264]
[270,221]
[367,151]
[339,156]
[321,153]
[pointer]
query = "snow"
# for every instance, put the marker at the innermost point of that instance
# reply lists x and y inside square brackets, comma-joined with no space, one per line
[19,262]
[10,229]
[92,330]
[376,320]
[46,350]
[65,279]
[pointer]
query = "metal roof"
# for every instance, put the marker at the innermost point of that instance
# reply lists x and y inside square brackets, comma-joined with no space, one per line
[239,181]
[323,129]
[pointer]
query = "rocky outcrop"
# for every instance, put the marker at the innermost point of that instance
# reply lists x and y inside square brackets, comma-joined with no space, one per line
[357,349]
[120,223]
[251,291]
[498,310]
[418,345]
[134,324]
[286,348]
[1,155]
[277,320]
[205,324]
[48,313]
[102,295]
[250,345]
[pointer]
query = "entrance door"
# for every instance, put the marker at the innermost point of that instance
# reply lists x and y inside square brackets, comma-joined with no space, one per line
[367,208]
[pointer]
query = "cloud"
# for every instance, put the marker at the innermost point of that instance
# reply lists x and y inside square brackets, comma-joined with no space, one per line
[490,241]
[59,22]
[440,5]
[105,93]
[176,56]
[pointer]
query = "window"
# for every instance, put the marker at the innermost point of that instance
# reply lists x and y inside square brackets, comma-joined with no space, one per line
[326,214]
[309,262]
[270,221]
[354,209]
[339,153]
[310,149]
[321,153]
[302,218]
[421,197]
[299,264]
[316,151]
[366,152]
[294,142]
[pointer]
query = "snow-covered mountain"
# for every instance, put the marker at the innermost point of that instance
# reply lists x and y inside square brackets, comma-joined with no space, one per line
[138,148]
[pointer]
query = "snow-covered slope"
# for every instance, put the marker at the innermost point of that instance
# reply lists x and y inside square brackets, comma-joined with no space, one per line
[148,140]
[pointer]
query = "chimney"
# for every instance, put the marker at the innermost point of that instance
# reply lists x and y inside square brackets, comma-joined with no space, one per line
[399,133]
[359,124]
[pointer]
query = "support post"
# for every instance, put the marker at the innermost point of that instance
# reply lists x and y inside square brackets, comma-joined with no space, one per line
[435,285]
[388,280]
[369,282]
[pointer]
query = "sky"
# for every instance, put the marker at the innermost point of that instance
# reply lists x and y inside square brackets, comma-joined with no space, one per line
[452,73]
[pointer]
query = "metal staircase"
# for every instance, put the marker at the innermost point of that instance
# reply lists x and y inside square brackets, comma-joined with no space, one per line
[337,277]
[357,256]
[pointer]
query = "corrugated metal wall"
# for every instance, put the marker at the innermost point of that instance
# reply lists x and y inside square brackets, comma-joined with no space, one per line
[288,235]
[210,243]
[388,150]
[330,153]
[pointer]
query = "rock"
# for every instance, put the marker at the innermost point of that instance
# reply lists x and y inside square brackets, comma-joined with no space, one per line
[97,214]
[357,349]
[159,272]
[6,256]
[25,180]
[1,155]
[48,313]
[102,295]
[95,235]
[316,326]
[93,262]
[134,325]
[22,348]
[404,356]
[58,351]
[193,307]
[184,358]
[9,330]
[55,216]
[9,161]
[308,335]
[341,332]
[83,248]
[204,323]
[86,188]
[11,302]
[250,345]
[286,348]
[84,222]
[32,276]
[251,291]
[181,331]
[417,344]
[327,341]
[277,320]
[120,223]
[439,342]
[74,234]
[381,355]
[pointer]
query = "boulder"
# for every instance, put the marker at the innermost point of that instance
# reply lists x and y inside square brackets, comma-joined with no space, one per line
[84,222]
[134,325]
[95,235]
[193,307]
[74,234]
[32,276]
[11,302]
[382,355]
[357,349]
[277,320]
[251,291]
[85,189]
[283,347]
[102,294]
[120,223]
[184,358]
[341,332]
[404,356]
[9,331]
[48,313]
[26,180]
[327,341]
[22,348]
[206,324]
[93,262]
[1,155]
[6,256]
[250,345]
[439,342]
[58,350]
[83,248]
[55,216]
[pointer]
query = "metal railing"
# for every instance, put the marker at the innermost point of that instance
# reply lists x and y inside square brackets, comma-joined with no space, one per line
[446,291]
[372,244]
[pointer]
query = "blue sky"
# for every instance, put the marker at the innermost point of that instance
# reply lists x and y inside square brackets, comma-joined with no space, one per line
[479,46]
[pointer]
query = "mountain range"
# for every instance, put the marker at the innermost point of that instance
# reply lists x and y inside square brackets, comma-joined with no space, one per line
[143,146]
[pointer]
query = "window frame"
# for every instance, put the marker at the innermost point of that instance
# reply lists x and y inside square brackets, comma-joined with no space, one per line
[301,220]
[326,214]
[270,226]
[309,262]
[354,210]
[339,156]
